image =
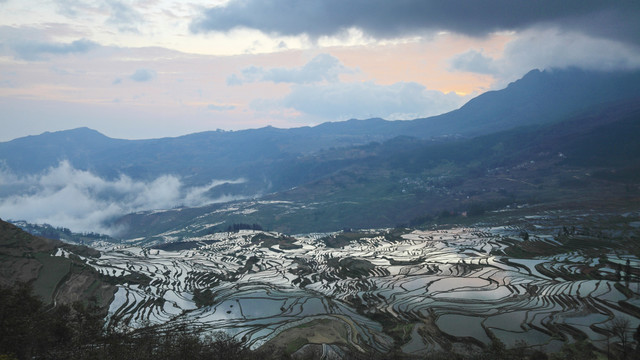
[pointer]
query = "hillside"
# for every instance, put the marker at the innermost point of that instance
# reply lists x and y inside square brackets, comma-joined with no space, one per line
[539,97]
[590,160]
[54,269]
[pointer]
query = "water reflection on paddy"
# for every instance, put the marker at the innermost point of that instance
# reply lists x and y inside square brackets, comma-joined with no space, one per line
[459,279]
[480,294]
[261,307]
[451,283]
[463,326]
[509,321]
[415,283]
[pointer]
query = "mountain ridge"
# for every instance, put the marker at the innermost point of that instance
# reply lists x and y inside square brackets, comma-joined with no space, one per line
[273,161]
[405,179]
[546,83]
[572,86]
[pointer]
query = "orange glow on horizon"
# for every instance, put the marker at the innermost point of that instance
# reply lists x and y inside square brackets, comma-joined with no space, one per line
[425,62]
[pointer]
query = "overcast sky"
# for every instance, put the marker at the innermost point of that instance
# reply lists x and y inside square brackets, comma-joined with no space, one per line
[151,68]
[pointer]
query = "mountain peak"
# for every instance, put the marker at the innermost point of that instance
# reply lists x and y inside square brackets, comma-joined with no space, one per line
[80,133]
[84,131]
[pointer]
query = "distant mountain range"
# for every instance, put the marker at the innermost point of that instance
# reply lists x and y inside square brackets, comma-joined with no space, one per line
[539,97]
[548,130]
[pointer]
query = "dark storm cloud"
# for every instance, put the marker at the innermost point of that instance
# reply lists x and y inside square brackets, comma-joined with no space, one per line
[36,50]
[387,19]
[548,49]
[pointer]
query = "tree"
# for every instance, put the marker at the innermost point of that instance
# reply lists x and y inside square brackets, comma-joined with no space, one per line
[30,329]
[619,328]
[19,322]
[627,273]
[619,272]
[580,350]
[636,337]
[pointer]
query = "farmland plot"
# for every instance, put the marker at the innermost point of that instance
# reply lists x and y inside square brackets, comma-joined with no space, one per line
[421,290]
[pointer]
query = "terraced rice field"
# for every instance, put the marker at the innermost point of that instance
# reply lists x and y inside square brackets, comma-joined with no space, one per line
[444,287]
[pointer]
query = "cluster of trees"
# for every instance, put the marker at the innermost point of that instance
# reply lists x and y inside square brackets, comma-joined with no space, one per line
[29,329]
[46,230]
[203,297]
[238,227]
[470,209]
[620,343]
[60,233]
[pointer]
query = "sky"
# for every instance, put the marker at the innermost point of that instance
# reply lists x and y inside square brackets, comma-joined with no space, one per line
[155,68]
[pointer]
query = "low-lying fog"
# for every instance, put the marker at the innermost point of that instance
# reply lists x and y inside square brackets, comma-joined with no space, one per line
[84,202]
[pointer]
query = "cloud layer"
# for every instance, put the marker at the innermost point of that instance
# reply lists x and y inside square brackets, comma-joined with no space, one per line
[388,19]
[399,101]
[82,201]
[37,50]
[316,90]
[143,75]
[323,67]
[546,49]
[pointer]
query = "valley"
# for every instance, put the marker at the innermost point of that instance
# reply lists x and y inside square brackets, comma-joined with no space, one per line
[535,282]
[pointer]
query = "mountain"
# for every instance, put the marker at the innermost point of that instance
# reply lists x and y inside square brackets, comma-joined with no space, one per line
[539,97]
[371,173]
[590,160]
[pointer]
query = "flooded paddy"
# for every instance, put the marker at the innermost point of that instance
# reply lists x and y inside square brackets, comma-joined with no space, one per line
[459,285]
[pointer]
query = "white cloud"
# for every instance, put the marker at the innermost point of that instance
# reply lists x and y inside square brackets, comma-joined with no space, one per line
[323,67]
[36,50]
[82,201]
[143,75]
[473,61]
[316,90]
[340,101]
[71,8]
[125,17]
[217,107]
